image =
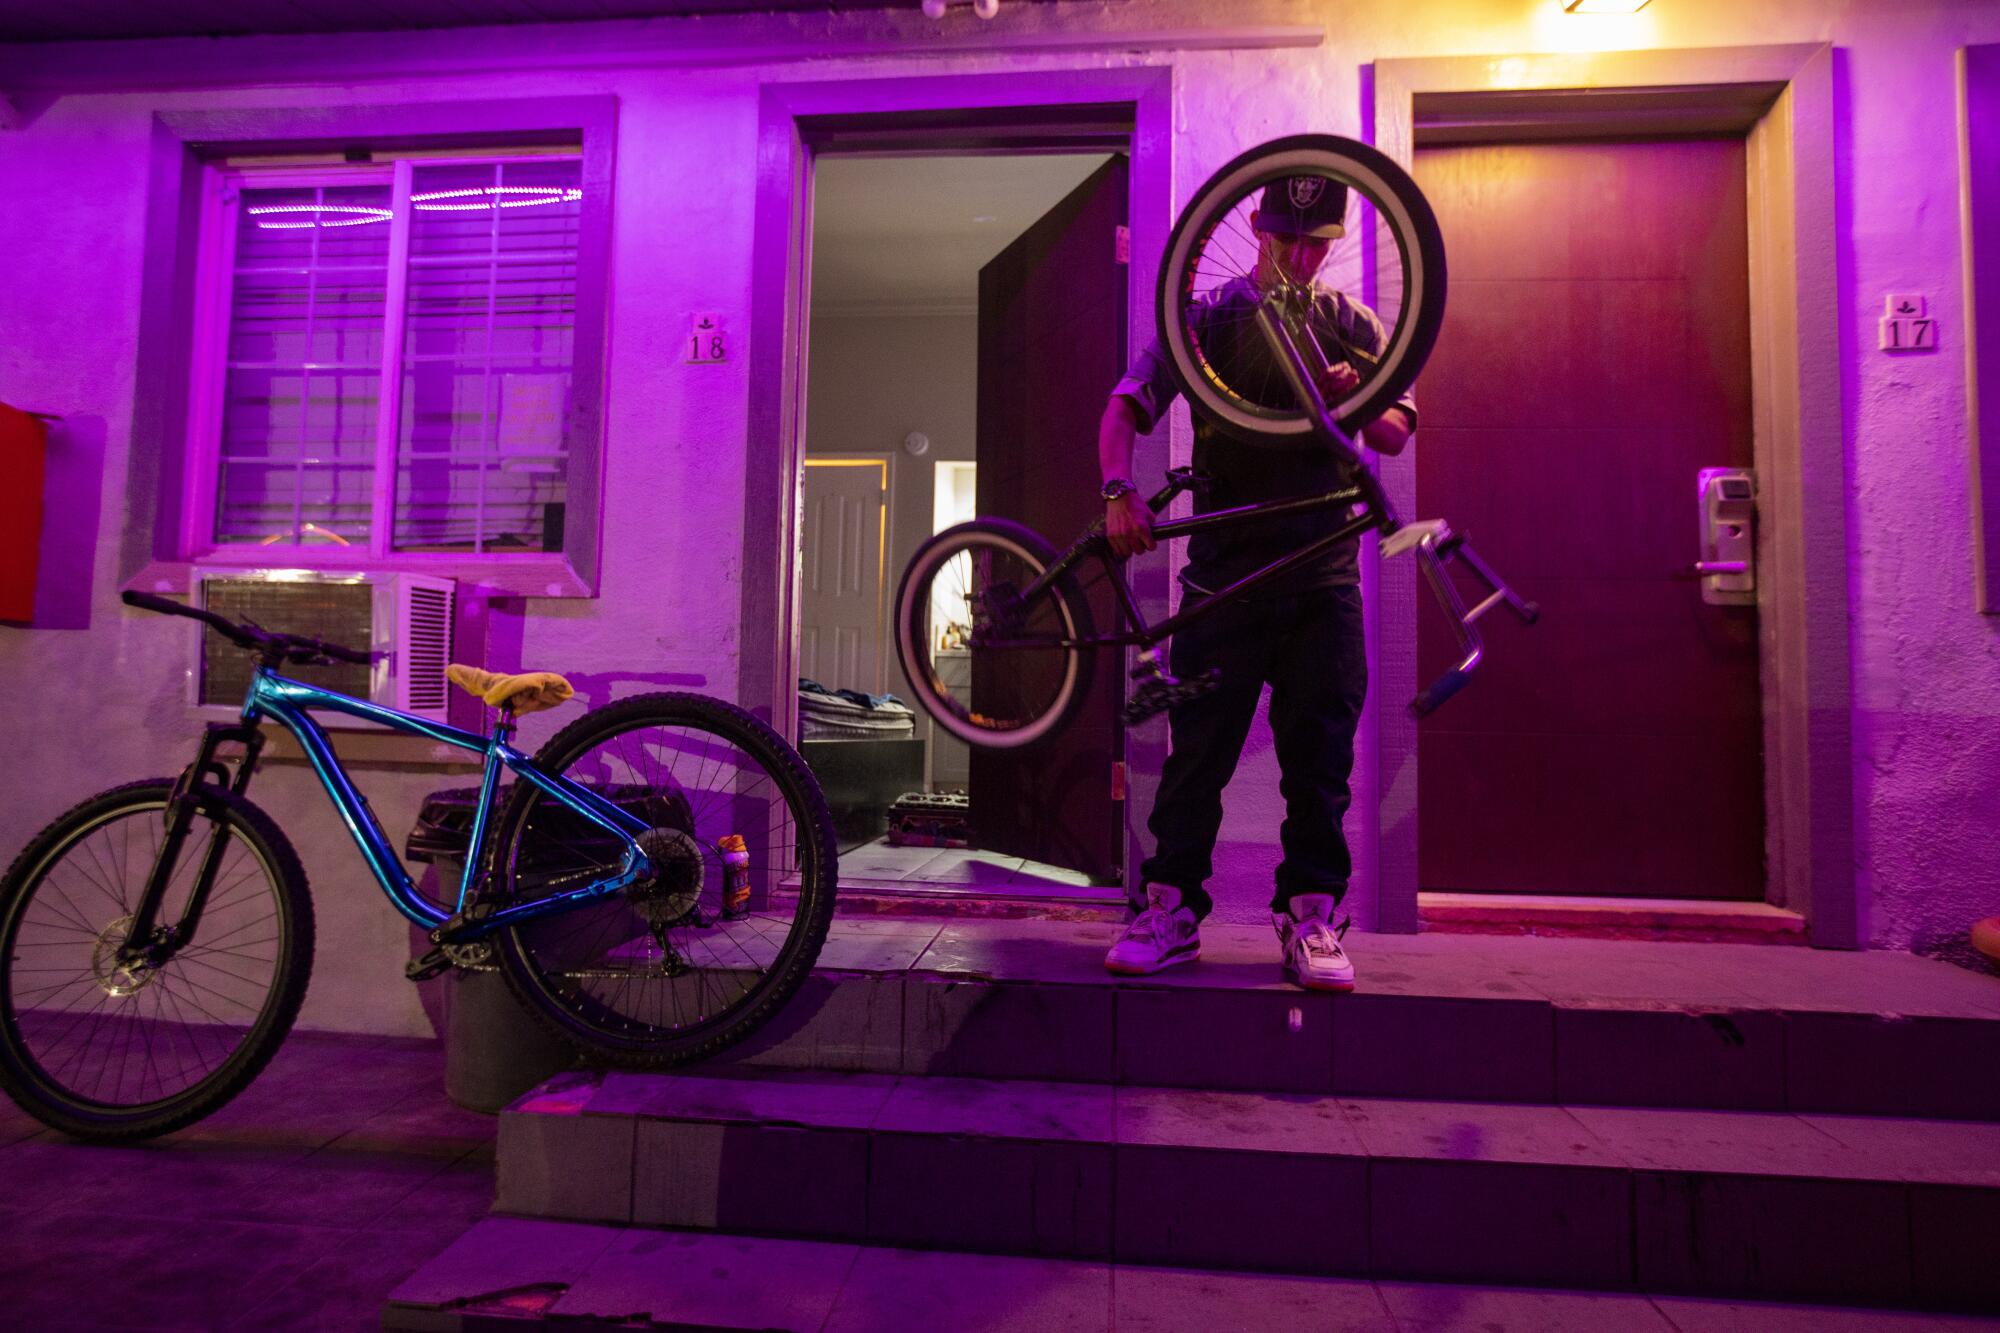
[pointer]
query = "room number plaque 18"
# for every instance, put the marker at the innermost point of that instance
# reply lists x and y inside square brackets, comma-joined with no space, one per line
[706,341]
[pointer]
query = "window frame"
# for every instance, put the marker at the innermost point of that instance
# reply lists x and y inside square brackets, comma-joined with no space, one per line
[173,532]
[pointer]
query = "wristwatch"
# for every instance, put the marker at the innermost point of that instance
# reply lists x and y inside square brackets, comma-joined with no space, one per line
[1116,487]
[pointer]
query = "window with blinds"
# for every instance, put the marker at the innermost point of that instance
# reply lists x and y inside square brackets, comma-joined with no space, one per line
[397,365]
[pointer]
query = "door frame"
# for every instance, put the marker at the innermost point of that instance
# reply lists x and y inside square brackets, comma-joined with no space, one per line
[1781,98]
[989,112]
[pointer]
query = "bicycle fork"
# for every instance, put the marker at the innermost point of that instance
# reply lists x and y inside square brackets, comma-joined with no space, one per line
[146,941]
[1435,544]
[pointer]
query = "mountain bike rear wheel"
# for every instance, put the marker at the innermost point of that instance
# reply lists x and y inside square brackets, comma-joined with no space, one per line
[994,665]
[1390,259]
[698,956]
[109,1050]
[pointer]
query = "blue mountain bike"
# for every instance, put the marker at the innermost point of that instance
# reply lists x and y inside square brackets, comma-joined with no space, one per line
[654,884]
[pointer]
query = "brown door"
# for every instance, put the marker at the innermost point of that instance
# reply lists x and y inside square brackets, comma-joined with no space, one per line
[1595,356]
[1051,344]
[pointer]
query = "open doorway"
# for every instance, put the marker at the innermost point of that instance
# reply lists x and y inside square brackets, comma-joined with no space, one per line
[923,269]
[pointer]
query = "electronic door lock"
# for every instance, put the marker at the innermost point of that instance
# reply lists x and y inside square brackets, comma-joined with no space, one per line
[1728,559]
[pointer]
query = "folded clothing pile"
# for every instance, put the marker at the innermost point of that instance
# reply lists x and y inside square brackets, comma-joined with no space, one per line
[826,714]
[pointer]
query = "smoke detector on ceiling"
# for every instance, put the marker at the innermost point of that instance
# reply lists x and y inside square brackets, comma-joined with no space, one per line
[986,9]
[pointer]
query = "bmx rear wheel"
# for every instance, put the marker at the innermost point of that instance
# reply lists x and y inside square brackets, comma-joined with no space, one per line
[991,657]
[1389,258]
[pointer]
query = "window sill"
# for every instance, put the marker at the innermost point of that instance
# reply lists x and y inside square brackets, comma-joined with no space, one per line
[518,576]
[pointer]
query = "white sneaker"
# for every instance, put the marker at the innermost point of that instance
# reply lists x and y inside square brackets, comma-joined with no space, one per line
[1159,937]
[1312,948]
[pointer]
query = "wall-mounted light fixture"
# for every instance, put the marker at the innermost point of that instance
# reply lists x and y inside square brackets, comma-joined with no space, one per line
[1603,6]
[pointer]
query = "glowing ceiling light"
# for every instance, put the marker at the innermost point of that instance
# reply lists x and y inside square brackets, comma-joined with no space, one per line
[317,215]
[1603,6]
[495,196]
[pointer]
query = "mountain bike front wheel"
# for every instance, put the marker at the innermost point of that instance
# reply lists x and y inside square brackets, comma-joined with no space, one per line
[1218,268]
[701,953]
[108,1049]
[994,661]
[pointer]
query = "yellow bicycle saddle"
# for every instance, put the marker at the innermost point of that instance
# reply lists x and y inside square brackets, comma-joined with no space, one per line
[528,692]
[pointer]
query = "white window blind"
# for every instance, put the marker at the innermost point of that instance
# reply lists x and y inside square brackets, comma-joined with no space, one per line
[454,281]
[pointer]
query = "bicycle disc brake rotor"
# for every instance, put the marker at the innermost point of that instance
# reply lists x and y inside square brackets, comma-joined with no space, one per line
[118,979]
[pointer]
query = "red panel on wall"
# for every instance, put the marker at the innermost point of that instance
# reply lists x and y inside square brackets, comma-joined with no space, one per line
[22,442]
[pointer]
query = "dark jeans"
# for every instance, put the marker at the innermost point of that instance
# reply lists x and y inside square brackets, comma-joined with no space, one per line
[1309,648]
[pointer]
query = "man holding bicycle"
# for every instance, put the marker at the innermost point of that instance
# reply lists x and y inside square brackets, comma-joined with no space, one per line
[1301,635]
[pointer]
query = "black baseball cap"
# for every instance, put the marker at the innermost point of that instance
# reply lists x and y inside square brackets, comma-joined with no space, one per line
[1310,206]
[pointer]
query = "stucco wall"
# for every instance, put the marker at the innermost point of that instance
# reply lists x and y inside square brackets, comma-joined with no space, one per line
[1927,691]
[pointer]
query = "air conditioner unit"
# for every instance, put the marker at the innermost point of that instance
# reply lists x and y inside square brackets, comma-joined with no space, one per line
[404,619]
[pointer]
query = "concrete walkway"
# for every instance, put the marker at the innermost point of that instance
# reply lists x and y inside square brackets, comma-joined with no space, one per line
[299,1206]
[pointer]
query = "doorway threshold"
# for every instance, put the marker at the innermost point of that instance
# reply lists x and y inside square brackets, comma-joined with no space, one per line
[1691,919]
[878,879]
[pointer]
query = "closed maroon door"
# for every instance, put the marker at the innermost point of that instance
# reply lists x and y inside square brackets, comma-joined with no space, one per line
[1595,357]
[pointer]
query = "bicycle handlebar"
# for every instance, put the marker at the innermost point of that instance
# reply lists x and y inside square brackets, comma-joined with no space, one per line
[291,647]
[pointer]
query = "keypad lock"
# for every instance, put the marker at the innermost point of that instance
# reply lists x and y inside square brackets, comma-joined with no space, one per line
[1728,560]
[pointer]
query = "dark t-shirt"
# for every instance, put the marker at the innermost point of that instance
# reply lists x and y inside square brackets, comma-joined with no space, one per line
[1251,474]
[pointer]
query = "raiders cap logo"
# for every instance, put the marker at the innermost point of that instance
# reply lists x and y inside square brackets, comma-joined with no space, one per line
[1305,191]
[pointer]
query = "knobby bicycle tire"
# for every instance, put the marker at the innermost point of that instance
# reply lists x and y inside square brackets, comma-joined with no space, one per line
[818,881]
[34,1088]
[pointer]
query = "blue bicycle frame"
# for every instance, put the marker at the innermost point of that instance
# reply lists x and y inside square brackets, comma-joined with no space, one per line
[290,701]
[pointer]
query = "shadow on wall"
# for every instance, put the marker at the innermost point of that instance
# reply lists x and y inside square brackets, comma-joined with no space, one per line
[598,688]
[73,501]
[501,629]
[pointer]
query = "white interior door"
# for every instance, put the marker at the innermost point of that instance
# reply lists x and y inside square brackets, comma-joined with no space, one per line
[843,603]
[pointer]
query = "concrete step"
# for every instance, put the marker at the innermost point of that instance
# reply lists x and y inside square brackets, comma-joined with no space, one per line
[511,1273]
[1492,1018]
[1762,1204]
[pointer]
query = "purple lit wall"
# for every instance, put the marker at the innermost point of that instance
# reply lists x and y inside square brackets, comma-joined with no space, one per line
[77,169]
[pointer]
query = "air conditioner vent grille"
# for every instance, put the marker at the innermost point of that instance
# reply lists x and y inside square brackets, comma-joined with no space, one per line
[426,648]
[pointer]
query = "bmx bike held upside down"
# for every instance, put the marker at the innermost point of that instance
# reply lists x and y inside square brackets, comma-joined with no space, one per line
[1001,595]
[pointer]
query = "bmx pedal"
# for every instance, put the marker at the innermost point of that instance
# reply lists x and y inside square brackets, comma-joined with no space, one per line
[1157,693]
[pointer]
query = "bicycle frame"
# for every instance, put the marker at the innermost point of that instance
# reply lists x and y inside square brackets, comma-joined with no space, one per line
[1142,634]
[290,702]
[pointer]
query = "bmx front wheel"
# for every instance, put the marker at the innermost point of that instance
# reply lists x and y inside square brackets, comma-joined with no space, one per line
[1388,257]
